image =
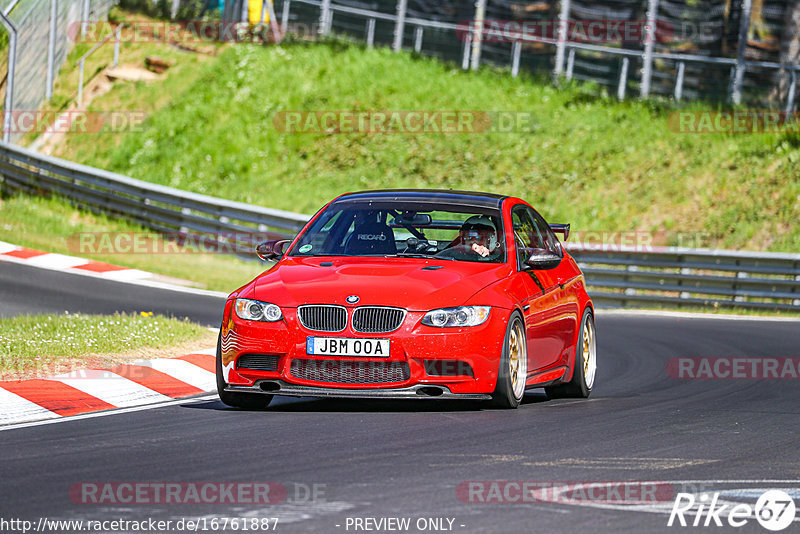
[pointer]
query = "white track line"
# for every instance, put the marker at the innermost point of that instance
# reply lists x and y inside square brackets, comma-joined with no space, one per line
[124,275]
[691,315]
[110,412]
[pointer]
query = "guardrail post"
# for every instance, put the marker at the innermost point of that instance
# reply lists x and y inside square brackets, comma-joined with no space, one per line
[116,47]
[741,49]
[516,51]
[400,25]
[738,298]
[324,15]
[467,47]
[570,63]
[792,89]
[623,79]
[649,44]
[285,15]
[370,33]
[51,49]
[477,31]
[563,20]
[418,39]
[683,271]
[80,84]
[679,81]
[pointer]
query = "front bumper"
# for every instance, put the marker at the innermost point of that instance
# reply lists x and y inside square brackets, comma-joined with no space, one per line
[413,346]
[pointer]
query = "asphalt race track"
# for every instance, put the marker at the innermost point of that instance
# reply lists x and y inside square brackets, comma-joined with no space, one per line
[379,460]
[29,290]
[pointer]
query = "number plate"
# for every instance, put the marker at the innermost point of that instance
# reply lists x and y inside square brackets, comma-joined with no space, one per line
[347,346]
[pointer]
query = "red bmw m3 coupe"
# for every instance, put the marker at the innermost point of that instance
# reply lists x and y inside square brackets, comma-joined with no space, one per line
[412,294]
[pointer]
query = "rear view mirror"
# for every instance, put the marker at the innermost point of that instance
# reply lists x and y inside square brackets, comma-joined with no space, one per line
[412,219]
[542,260]
[271,250]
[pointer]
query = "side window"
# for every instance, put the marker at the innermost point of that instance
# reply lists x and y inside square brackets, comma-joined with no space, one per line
[531,232]
[551,242]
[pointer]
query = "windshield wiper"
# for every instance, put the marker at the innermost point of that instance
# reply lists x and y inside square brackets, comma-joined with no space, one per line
[417,255]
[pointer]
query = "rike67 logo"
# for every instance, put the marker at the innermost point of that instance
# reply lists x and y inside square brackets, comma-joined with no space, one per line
[774,510]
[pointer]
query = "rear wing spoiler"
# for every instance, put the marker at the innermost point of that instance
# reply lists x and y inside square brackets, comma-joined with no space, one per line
[561,229]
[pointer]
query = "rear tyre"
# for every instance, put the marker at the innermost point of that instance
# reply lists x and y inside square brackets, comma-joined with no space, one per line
[585,364]
[513,371]
[245,401]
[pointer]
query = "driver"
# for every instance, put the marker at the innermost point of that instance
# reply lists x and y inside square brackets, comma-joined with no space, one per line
[476,239]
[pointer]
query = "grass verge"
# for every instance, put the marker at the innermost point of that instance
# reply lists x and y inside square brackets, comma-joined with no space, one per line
[46,345]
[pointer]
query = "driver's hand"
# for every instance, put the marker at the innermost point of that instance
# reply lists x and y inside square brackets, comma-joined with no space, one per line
[480,249]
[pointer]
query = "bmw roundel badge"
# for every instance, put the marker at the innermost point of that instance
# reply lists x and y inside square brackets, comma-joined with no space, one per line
[352,299]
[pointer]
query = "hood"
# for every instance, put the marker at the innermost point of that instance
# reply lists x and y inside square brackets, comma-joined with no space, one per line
[403,282]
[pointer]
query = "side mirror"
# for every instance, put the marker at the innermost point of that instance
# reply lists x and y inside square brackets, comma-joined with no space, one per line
[543,260]
[271,250]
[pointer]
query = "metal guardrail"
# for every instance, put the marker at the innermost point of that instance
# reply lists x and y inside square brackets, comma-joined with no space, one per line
[686,277]
[157,207]
[661,276]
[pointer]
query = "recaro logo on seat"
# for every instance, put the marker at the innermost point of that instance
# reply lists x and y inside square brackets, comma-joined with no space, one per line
[371,237]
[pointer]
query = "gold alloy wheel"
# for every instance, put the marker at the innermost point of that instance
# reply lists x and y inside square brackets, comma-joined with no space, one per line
[517,360]
[589,352]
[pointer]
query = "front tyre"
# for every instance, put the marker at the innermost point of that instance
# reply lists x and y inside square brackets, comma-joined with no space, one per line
[246,401]
[513,370]
[585,364]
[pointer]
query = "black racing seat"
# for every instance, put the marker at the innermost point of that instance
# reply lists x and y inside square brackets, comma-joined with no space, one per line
[370,238]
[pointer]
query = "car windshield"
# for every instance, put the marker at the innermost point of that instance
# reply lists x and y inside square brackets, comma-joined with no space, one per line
[397,229]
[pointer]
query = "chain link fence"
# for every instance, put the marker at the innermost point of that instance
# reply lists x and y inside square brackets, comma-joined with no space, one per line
[726,51]
[40,34]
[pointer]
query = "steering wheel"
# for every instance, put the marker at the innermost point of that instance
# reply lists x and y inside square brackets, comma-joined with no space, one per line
[418,246]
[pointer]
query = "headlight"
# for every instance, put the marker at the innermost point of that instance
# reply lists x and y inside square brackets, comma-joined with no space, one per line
[254,310]
[461,316]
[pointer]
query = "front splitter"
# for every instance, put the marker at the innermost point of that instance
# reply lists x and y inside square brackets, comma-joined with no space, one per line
[420,392]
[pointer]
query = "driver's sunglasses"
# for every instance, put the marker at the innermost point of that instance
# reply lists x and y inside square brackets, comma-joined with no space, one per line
[474,235]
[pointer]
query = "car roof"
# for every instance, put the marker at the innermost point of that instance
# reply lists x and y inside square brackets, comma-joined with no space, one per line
[439,196]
